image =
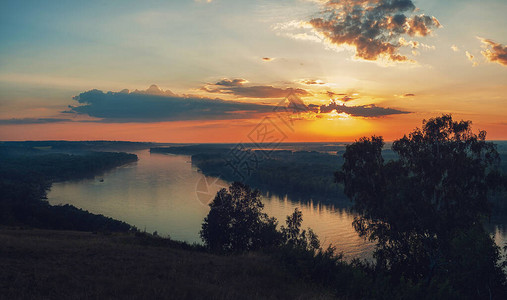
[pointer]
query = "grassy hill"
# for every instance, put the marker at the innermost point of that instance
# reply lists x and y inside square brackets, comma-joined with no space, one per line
[45,264]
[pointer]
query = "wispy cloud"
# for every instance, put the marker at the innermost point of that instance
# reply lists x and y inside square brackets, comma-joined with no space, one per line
[333,94]
[311,82]
[237,88]
[471,58]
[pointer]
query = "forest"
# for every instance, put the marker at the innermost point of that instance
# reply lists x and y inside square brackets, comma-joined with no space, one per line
[76,146]
[26,175]
[302,175]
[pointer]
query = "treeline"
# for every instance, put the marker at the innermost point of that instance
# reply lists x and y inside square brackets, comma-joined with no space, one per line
[72,146]
[26,176]
[193,149]
[300,174]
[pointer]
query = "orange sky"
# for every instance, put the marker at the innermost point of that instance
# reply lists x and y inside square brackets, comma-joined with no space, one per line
[231,131]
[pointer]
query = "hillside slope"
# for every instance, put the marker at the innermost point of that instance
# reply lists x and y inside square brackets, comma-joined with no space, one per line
[47,264]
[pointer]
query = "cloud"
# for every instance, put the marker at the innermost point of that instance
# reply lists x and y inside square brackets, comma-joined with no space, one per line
[152,90]
[232,82]
[268,58]
[22,121]
[372,27]
[311,81]
[367,111]
[454,48]
[333,94]
[140,106]
[494,52]
[144,107]
[341,96]
[346,98]
[264,92]
[471,58]
[236,87]
[409,95]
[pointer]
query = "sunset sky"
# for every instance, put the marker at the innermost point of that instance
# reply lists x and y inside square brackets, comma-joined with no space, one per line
[213,70]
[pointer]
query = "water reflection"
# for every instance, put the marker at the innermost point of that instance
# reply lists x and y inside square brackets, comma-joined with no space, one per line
[164,193]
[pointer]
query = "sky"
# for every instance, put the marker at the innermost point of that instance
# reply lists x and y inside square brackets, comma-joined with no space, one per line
[249,71]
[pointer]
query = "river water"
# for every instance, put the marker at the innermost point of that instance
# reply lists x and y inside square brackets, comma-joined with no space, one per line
[166,194]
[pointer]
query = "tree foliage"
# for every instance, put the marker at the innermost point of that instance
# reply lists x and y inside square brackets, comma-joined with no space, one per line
[236,223]
[425,208]
[293,235]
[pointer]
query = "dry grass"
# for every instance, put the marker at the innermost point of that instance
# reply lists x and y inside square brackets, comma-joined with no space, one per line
[43,264]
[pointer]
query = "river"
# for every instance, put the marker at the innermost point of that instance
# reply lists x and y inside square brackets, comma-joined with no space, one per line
[166,194]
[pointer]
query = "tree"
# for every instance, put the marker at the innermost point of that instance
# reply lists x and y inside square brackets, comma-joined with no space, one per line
[426,207]
[236,223]
[295,237]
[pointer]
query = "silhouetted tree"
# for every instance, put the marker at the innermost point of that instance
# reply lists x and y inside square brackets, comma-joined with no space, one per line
[425,208]
[294,236]
[236,223]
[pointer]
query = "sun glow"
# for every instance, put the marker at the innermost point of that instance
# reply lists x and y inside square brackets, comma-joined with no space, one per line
[336,115]
[341,127]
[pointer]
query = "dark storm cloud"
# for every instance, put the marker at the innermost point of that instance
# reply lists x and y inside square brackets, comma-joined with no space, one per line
[494,52]
[142,107]
[372,27]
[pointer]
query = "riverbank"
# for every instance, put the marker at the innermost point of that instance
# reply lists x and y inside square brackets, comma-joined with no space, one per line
[26,175]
